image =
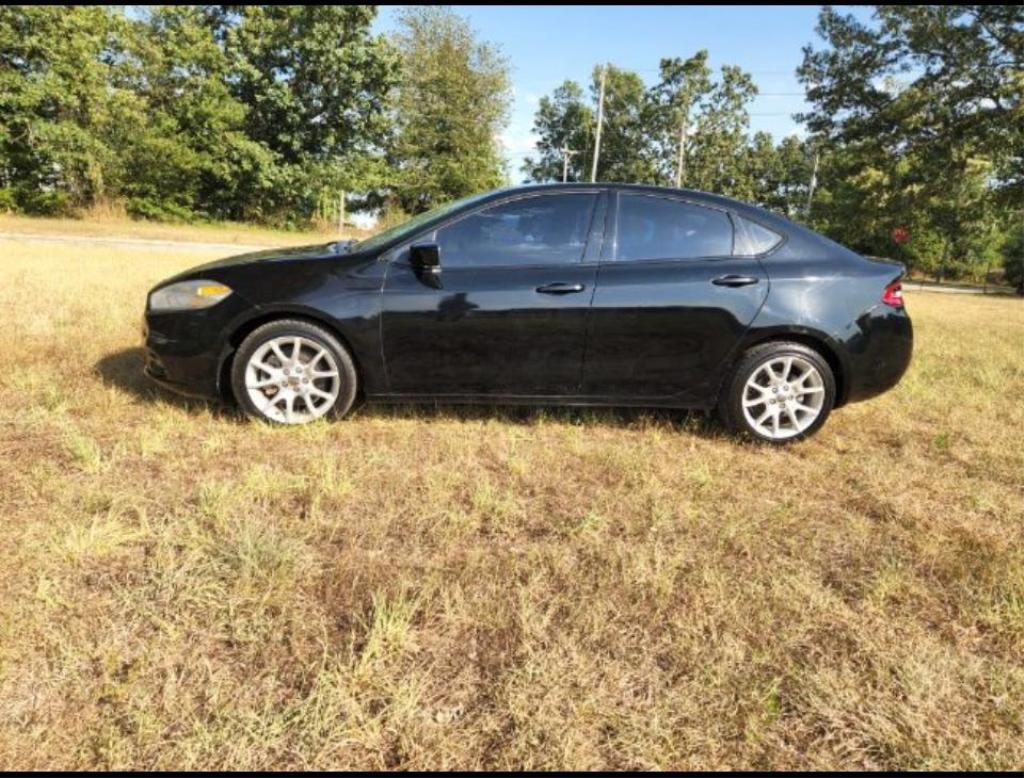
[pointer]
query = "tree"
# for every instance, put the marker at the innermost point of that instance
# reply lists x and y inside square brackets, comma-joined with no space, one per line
[779,176]
[451,105]
[687,127]
[926,102]
[190,156]
[563,120]
[316,84]
[1013,256]
[683,86]
[627,153]
[184,111]
[56,107]
[717,155]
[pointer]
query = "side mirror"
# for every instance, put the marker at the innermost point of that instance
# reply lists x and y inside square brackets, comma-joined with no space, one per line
[426,257]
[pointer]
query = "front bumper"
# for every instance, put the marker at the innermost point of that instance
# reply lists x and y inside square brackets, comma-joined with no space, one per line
[185,378]
[185,350]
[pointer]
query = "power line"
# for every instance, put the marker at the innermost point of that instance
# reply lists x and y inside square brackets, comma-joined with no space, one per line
[752,73]
[748,72]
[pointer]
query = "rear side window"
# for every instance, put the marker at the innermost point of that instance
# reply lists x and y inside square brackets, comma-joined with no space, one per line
[753,239]
[651,227]
[541,230]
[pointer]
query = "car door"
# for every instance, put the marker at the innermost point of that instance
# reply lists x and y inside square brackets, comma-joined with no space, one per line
[507,313]
[671,303]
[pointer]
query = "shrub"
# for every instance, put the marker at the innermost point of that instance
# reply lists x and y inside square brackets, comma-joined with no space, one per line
[46,203]
[1013,258]
[158,210]
[8,202]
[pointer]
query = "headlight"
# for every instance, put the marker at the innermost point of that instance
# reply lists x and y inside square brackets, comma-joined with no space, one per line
[188,296]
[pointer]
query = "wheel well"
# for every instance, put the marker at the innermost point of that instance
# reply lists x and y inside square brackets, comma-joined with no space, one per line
[247,327]
[819,345]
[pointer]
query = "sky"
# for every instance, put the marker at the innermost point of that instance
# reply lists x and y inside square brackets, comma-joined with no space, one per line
[547,44]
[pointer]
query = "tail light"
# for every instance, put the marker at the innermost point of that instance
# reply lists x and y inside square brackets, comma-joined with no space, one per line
[893,295]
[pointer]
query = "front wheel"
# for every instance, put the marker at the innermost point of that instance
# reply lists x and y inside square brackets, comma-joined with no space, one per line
[292,372]
[778,392]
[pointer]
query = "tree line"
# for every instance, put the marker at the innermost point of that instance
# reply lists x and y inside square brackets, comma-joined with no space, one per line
[915,126]
[248,113]
[915,130]
[690,129]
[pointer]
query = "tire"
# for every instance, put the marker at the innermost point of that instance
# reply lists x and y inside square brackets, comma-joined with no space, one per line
[321,383]
[777,403]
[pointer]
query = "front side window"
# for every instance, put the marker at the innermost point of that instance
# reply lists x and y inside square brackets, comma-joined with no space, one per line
[543,230]
[651,227]
[409,226]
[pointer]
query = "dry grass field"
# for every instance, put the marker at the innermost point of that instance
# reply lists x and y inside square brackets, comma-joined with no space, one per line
[479,588]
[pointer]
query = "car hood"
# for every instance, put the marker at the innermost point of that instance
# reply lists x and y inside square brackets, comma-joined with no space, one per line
[314,251]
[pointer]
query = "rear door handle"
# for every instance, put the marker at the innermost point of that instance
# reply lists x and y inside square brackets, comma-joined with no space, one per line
[734,280]
[560,287]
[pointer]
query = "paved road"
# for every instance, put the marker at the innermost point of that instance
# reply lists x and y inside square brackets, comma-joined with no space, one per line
[173,245]
[917,286]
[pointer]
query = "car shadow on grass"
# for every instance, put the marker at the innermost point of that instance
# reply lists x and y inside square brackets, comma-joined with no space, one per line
[123,370]
[695,422]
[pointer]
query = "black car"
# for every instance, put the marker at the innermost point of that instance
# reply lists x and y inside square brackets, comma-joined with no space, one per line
[556,294]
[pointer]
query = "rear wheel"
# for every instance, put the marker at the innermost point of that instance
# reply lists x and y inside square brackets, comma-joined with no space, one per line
[293,372]
[778,392]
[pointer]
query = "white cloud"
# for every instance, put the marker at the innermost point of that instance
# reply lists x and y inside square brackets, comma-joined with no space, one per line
[516,141]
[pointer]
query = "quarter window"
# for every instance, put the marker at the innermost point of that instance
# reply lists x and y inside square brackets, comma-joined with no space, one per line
[753,239]
[652,227]
[543,230]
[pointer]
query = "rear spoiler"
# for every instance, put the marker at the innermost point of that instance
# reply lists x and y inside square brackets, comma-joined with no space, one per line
[894,262]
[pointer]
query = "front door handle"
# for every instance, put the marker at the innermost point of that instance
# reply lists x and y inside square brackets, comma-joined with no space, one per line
[560,287]
[734,280]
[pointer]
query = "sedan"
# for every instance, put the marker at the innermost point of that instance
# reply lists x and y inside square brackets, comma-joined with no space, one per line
[565,294]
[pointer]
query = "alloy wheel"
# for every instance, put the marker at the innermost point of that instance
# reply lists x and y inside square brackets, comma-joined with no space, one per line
[292,379]
[783,397]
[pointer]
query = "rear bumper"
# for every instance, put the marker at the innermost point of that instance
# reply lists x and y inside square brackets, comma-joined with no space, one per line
[880,353]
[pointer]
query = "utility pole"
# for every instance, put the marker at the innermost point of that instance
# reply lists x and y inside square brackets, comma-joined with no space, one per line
[566,155]
[600,119]
[814,182]
[681,158]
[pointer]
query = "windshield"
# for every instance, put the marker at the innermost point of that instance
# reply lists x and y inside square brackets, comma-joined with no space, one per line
[399,231]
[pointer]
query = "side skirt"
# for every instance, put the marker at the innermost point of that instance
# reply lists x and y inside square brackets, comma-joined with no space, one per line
[520,399]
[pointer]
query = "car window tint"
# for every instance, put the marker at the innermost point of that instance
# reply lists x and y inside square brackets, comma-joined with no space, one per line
[753,239]
[660,228]
[544,230]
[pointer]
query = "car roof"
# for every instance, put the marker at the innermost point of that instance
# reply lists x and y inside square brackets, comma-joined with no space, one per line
[690,194]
